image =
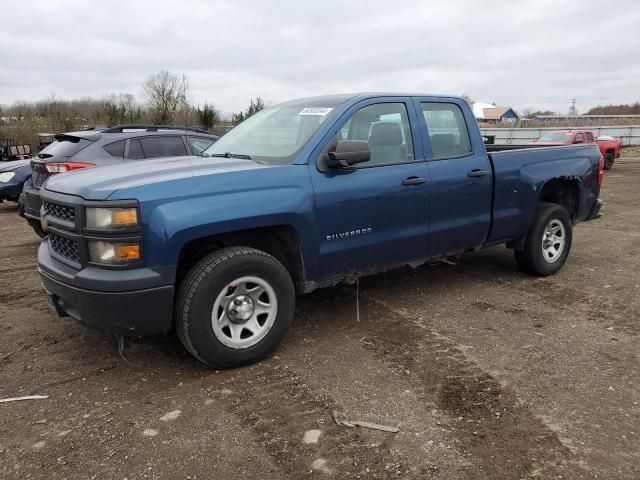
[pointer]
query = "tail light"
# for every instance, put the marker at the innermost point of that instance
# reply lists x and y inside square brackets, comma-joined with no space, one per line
[61,167]
[600,170]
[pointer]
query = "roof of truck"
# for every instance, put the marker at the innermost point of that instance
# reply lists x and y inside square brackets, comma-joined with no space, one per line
[345,97]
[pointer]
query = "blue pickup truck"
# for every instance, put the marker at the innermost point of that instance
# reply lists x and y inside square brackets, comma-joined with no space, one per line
[302,195]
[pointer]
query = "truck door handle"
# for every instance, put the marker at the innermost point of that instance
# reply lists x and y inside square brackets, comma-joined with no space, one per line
[414,180]
[476,172]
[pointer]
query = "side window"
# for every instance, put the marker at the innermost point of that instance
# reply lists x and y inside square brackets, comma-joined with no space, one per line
[165,146]
[115,149]
[447,130]
[199,144]
[589,137]
[386,127]
[579,138]
[135,150]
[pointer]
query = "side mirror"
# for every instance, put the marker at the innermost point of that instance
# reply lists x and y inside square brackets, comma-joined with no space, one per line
[348,153]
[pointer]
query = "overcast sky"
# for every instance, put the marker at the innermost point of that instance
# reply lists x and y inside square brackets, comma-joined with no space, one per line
[523,53]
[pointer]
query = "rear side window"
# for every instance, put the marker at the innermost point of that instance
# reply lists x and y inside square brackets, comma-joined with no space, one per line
[64,147]
[199,144]
[165,146]
[447,130]
[135,150]
[589,137]
[115,149]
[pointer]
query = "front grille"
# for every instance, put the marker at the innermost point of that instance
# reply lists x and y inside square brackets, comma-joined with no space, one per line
[64,247]
[68,214]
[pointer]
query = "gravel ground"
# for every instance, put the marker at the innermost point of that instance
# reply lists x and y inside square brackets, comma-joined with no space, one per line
[488,373]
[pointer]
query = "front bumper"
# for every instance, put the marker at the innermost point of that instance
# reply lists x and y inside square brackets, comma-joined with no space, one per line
[595,210]
[32,202]
[131,303]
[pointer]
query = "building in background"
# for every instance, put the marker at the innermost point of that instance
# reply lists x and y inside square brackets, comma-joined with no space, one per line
[488,113]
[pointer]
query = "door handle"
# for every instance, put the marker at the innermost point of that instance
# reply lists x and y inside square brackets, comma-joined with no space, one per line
[476,172]
[414,181]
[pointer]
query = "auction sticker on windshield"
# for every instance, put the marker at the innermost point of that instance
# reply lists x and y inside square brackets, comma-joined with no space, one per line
[322,111]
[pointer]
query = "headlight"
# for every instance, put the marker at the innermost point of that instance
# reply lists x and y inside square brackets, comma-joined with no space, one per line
[6,176]
[112,253]
[108,218]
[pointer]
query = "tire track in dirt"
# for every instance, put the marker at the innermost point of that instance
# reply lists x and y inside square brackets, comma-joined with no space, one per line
[22,268]
[278,407]
[25,297]
[596,308]
[551,290]
[502,438]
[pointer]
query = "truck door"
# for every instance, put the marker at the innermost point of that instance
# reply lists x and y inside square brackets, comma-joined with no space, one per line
[376,213]
[461,176]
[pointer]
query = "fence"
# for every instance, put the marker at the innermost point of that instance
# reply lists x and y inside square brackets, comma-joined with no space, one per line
[629,134]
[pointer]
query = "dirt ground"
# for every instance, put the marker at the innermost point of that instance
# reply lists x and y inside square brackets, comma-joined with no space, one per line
[487,372]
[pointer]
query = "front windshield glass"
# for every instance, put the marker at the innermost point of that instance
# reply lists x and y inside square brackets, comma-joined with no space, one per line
[562,137]
[276,134]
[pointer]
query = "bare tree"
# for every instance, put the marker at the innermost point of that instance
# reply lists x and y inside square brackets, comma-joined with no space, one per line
[166,93]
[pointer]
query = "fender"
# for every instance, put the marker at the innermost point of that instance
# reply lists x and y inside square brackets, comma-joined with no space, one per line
[230,202]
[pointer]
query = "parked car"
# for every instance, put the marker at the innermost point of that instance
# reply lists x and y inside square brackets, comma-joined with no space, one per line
[13,175]
[302,195]
[609,146]
[116,145]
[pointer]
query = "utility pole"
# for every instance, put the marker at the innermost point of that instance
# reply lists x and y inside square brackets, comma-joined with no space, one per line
[573,111]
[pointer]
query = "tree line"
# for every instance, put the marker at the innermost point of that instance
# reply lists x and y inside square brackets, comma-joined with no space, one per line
[165,101]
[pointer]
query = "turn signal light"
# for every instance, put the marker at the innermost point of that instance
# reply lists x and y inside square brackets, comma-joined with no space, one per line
[111,253]
[128,252]
[125,217]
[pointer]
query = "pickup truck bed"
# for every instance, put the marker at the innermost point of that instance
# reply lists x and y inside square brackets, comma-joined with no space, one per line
[302,195]
[520,174]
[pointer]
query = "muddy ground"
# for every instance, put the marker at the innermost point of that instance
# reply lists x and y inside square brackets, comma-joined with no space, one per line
[487,372]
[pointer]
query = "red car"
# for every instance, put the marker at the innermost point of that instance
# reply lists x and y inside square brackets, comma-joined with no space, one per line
[609,146]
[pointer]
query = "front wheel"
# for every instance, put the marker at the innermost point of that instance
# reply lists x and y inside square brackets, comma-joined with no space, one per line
[234,307]
[548,242]
[608,160]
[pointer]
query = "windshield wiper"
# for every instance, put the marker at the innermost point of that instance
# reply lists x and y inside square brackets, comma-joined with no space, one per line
[231,155]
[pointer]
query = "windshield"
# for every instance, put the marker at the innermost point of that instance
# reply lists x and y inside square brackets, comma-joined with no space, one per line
[276,134]
[561,137]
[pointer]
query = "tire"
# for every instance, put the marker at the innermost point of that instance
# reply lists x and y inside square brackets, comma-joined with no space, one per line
[608,160]
[37,228]
[253,298]
[542,255]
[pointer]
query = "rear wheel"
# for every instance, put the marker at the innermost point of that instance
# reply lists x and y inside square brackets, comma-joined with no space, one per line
[548,242]
[608,160]
[234,307]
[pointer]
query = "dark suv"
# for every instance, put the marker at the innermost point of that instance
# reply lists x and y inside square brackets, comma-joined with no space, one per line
[91,148]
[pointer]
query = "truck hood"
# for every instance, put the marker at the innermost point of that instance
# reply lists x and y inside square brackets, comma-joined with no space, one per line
[100,182]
